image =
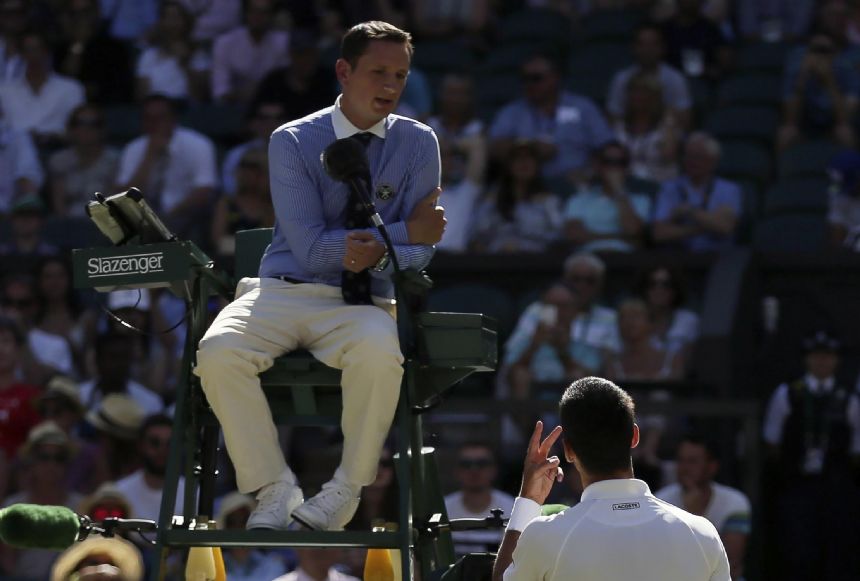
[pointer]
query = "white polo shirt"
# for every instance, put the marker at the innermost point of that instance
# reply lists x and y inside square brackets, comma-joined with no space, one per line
[191,164]
[45,111]
[619,531]
[729,508]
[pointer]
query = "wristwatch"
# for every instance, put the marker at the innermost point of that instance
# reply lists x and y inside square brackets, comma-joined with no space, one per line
[382,263]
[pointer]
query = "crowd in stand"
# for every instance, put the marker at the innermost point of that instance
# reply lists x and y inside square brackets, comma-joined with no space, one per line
[100,96]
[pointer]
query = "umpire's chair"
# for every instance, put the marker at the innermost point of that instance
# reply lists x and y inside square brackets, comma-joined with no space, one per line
[440,348]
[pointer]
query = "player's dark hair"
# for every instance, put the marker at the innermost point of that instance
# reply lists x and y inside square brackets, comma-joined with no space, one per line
[355,41]
[597,417]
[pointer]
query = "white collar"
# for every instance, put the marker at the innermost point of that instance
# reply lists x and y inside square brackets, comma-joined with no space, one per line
[819,385]
[343,127]
[615,488]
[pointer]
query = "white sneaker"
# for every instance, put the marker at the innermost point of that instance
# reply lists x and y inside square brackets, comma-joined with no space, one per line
[330,510]
[275,505]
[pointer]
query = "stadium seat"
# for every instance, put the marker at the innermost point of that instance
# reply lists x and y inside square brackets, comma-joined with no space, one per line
[508,58]
[762,56]
[595,87]
[791,233]
[618,25]
[747,123]
[803,195]
[73,232]
[220,122]
[745,161]
[476,298]
[493,91]
[535,25]
[758,89]
[443,55]
[122,123]
[807,159]
[604,58]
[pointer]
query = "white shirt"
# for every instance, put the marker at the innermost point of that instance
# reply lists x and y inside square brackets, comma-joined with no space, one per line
[619,531]
[459,202]
[239,62]
[46,111]
[51,350]
[481,540]
[145,398]
[190,165]
[300,575]
[728,510]
[164,73]
[779,408]
[145,501]
[18,160]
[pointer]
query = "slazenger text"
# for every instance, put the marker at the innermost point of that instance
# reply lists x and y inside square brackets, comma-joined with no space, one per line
[132,264]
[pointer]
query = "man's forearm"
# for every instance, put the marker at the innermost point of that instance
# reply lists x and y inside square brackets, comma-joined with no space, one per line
[505,555]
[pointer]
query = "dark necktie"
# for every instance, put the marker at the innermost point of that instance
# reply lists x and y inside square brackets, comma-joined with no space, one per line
[355,286]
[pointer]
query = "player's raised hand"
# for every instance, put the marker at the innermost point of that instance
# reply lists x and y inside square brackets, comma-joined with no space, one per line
[540,470]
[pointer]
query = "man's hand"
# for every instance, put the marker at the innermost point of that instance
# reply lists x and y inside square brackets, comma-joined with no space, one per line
[427,221]
[540,471]
[362,250]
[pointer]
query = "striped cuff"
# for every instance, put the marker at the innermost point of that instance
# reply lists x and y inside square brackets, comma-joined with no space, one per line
[525,511]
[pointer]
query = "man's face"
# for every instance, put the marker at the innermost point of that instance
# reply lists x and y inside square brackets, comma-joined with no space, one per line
[476,469]
[372,88]
[157,118]
[822,364]
[114,362]
[695,468]
[699,163]
[585,282]
[34,52]
[19,302]
[49,462]
[648,49]
[457,95]
[269,116]
[258,16]
[540,80]
[154,448]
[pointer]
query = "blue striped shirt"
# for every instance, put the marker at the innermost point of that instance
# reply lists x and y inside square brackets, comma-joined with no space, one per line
[310,208]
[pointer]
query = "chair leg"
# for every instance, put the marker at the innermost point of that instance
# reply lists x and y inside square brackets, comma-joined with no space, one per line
[208,470]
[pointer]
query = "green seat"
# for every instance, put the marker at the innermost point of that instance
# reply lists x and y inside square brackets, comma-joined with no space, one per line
[745,161]
[762,56]
[444,56]
[758,89]
[791,233]
[536,25]
[748,123]
[807,159]
[798,195]
[610,24]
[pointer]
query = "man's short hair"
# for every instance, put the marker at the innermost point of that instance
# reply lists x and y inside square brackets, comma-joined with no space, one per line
[712,450]
[355,41]
[153,420]
[597,417]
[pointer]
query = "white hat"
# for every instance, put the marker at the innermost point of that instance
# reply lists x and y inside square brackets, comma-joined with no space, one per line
[231,503]
[129,299]
[118,415]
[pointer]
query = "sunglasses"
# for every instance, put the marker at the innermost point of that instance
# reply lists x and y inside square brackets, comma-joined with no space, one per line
[103,512]
[474,463]
[582,279]
[59,458]
[533,77]
[153,442]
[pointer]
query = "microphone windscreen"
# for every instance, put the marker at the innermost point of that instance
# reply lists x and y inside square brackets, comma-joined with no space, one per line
[345,158]
[35,526]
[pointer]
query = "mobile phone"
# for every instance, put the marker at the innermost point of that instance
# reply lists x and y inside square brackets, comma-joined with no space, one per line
[548,314]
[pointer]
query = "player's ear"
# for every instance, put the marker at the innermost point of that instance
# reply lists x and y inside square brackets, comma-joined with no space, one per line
[342,70]
[568,451]
[635,440]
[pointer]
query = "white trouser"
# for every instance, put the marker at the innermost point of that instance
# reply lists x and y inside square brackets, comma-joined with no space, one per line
[269,318]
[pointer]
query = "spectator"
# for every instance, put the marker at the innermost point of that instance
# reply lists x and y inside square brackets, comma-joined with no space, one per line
[59,312]
[606,215]
[250,208]
[27,244]
[213,18]
[639,359]
[820,92]
[456,117]
[113,361]
[649,130]
[173,166]
[18,412]
[106,502]
[648,52]
[843,214]
[520,214]
[302,87]
[265,118]
[727,508]
[675,328]
[774,20]
[171,65]
[467,22]
[476,472]
[88,165]
[244,563]
[694,43]
[242,57]
[51,353]
[464,161]
[45,457]
[13,20]
[812,429]
[87,52]
[698,210]
[566,127]
[596,326]
[143,487]
[99,559]
[115,424]
[129,20]
[318,563]
[41,101]
[22,172]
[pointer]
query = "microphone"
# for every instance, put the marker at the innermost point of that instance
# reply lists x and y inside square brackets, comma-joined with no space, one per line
[34,526]
[37,526]
[345,160]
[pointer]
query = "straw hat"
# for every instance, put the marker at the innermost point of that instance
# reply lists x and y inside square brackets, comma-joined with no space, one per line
[118,551]
[47,432]
[118,415]
[230,503]
[107,493]
[62,387]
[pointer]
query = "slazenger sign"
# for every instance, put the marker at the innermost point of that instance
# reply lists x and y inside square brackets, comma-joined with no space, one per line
[125,265]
